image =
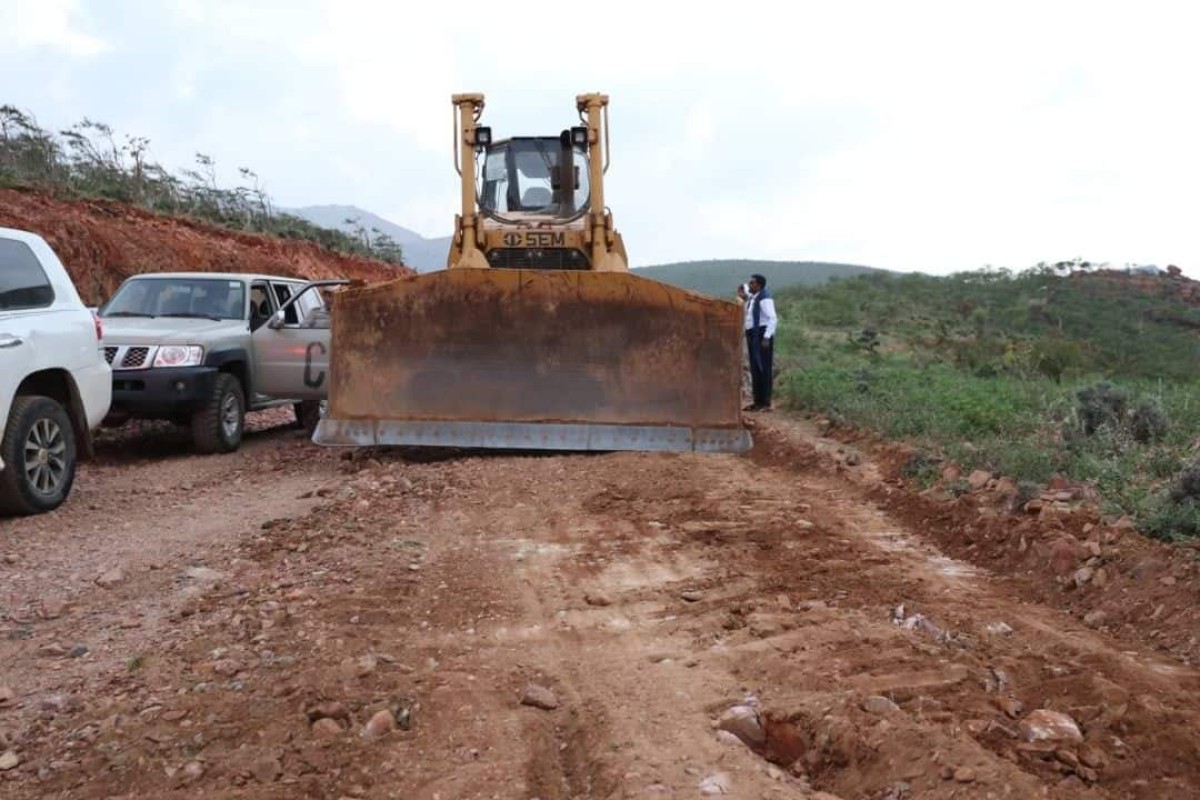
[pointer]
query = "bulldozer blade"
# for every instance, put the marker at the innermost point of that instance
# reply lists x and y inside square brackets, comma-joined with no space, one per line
[524,359]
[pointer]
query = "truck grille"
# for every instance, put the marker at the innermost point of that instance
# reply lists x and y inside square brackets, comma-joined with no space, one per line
[129,356]
[529,258]
[135,357]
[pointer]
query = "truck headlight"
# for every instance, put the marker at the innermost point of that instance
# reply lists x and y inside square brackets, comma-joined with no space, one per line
[179,356]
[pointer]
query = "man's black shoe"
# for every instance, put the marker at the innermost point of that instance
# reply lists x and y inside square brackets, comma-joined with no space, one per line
[751,407]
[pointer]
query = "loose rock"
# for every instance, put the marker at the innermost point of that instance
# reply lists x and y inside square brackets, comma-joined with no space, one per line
[978,479]
[1050,726]
[7,695]
[331,710]
[227,667]
[54,608]
[744,723]
[1083,576]
[78,651]
[725,737]
[381,724]
[539,697]
[360,667]
[1093,756]
[267,770]
[1094,619]
[1063,555]
[1011,706]
[720,783]
[878,704]
[598,599]
[9,760]
[999,628]
[965,775]
[326,728]
[204,574]
[111,578]
[692,596]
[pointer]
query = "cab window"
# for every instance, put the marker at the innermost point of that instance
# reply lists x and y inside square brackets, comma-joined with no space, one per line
[261,306]
[283,293]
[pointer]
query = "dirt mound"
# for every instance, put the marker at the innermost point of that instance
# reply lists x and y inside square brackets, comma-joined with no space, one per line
[1057,548]
[102,243]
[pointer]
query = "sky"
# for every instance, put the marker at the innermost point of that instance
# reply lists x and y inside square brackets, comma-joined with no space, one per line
[930,136]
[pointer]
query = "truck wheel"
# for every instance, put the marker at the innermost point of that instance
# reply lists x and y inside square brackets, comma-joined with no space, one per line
[39,456]
[308,414]
[217,428]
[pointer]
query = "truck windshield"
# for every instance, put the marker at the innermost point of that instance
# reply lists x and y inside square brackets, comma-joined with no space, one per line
[535,176]
[205,298]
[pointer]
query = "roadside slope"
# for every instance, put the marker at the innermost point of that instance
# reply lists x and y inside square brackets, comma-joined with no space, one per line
[101,243]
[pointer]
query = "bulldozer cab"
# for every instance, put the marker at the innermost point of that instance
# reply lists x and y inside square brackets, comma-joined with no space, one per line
[535,336]
[534,175]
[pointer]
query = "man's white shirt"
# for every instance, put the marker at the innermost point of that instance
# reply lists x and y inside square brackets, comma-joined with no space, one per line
[766,315]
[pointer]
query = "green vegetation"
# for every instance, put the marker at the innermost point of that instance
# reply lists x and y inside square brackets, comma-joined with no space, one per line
[1029,375]
[87,160]
[720,278]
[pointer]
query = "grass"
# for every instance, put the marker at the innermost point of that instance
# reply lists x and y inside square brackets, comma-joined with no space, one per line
[1014,394]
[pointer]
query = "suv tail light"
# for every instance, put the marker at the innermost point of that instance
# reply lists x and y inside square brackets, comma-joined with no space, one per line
[99,326]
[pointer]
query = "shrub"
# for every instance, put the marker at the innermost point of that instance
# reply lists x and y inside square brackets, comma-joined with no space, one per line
[919,467]
[1100,405]
[1149,422]
[1187,485]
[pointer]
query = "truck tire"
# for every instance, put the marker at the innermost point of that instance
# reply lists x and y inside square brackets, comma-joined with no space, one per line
[40,456]
[218,427]
[308,414]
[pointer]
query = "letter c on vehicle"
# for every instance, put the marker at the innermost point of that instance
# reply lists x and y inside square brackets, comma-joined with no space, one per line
[309,380]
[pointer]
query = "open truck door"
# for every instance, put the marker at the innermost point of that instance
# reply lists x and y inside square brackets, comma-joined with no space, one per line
[292,348]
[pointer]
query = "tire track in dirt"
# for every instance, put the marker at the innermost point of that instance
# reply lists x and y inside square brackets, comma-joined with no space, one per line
[649,593]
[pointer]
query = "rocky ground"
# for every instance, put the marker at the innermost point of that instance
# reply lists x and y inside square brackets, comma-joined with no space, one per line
[797,623]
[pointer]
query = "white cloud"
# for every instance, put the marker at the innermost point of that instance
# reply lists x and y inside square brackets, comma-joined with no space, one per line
[49,24]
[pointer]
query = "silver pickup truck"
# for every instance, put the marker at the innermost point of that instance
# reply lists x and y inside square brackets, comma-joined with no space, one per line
[204,348]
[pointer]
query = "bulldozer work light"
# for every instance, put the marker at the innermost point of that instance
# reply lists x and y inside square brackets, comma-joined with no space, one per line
[483,136]
[579,136]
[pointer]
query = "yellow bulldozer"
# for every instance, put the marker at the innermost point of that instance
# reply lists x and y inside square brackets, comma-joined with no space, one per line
[536,335]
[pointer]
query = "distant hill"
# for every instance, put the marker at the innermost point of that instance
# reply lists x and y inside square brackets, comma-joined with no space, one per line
[720,277]
[420,253]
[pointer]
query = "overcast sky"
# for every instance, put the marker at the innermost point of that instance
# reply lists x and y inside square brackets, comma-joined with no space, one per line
[907,135]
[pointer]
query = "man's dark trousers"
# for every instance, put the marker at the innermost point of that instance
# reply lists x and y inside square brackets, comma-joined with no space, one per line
[760,365]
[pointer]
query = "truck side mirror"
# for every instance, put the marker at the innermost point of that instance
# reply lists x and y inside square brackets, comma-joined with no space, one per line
[276,321]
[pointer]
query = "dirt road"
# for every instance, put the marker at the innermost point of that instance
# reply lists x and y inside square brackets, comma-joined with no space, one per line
[283,622]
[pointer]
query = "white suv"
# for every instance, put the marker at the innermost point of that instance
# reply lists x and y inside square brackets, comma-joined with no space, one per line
[55,386]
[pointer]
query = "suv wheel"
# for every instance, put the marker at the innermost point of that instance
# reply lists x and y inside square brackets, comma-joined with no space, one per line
[217,428]
[39,456]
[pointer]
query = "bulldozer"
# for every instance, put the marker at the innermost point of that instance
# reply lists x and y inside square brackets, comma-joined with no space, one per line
[535,335]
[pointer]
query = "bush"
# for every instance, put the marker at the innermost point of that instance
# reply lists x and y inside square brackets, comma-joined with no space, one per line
[1187,485]
[1101,405]
[1149,422]
[920,467]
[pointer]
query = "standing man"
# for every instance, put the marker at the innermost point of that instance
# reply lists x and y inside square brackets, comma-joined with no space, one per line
[760,341]
[743,296]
